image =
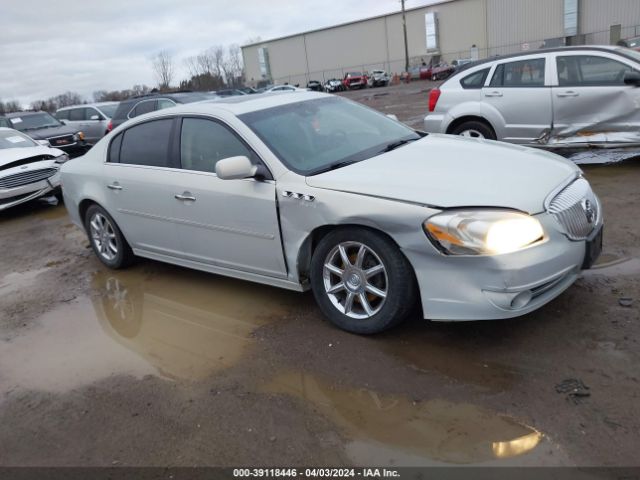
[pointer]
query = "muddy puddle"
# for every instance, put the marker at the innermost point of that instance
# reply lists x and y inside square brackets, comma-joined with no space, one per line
[170,322]
[393,430]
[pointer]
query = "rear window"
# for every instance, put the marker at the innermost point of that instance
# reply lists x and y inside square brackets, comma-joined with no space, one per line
[523,74]
[145,106]
[475,80]
[109,110]
[147,144]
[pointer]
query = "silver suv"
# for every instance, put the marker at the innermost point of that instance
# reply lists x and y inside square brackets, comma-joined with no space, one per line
[93,119]
[572,96]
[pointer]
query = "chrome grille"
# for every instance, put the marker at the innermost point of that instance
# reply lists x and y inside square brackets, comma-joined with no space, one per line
[25,178]
[577,210]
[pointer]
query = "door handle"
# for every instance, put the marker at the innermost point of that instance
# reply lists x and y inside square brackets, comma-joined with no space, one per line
[185,197]
[568,93]
[493,94]
[114,186]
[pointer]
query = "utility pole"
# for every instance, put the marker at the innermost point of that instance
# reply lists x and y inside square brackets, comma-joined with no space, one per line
[406,45]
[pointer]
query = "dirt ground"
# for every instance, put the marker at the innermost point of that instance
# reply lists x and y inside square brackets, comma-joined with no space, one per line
[159,365]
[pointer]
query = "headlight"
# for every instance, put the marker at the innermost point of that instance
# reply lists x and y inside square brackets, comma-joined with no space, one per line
[78,136]
[482,232]
[62,158]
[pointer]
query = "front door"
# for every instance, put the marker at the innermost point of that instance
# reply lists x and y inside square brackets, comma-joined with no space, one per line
[592,103]
[227,223]
[518,95]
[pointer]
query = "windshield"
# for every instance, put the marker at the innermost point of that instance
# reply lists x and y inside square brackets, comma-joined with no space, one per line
[33,121]
[109,110]
[317,135]
[13,139]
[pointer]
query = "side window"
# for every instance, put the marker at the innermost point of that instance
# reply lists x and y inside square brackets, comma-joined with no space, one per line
[147,144]
[475,80]
[590,71]
[204,142]
[165,103]
[143,107]
[63,115]
[77,114]
[524,73]
[92,112]
[114,149]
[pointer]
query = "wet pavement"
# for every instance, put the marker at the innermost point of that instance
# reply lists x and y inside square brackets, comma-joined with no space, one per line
[160,365]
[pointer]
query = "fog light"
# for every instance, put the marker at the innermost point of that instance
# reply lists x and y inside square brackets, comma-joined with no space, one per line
[521,300]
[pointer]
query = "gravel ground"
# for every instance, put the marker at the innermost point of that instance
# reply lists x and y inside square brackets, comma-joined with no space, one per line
[159,365]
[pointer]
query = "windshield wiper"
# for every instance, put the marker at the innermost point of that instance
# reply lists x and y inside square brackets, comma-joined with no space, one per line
[335,166]
[393,145]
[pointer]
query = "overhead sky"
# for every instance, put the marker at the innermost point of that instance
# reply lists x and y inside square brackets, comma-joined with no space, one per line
[48,47]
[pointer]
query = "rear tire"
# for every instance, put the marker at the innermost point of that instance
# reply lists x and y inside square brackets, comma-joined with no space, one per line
[361,281]
[106,239]
[474,129]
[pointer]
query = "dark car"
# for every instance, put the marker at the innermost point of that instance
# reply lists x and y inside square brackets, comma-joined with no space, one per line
[248,90]
[315,85]
[632,43]
[149,103]
[4,123]
[43,126]
[229,92]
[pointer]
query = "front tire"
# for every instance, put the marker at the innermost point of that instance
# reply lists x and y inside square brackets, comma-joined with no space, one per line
[361,281]
[106,239]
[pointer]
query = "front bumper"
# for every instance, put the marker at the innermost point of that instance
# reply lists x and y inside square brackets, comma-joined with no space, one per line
[501,286]
[437,122]
[11,197]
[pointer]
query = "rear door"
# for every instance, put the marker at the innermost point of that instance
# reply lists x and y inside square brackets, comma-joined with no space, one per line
[138,183]
[518,93]
[95,125]
[591,101]
[226,223]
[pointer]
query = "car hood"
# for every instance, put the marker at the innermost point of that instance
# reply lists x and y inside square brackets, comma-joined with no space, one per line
[445,171]
[10,155]
[45,133]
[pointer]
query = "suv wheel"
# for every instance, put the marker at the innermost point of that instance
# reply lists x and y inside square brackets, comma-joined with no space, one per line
[361,281]
[474,129]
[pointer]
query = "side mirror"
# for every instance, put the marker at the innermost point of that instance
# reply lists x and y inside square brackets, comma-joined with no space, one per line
[236,168]
[44,143]
[392,117]
[632,78]
[95,117]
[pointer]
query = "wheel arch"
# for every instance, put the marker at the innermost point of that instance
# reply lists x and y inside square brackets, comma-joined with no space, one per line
[470,118]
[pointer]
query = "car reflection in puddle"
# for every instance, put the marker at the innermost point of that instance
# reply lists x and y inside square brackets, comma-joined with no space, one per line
[393,430]
[184,323]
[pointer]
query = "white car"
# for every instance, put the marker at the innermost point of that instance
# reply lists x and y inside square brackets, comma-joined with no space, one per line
[28,169]
[285,88]
[314,191]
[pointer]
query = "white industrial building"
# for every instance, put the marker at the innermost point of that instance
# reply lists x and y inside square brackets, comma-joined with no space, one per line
[449,29]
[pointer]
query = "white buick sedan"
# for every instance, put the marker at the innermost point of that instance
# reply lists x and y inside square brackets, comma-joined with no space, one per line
[310,191]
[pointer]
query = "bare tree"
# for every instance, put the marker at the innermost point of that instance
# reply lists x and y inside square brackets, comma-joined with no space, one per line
[234,65]
[163,69]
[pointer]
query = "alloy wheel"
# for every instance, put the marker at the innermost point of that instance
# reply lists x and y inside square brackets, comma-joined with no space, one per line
[471,133]
[103,236]
[355,280]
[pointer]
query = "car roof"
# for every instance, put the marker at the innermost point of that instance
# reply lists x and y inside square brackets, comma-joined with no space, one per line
[81,105]
[602,48]
[239,105]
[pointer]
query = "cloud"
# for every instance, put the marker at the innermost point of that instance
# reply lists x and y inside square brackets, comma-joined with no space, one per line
[51,47]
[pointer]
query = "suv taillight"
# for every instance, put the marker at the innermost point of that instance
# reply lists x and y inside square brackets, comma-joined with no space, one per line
[109,126]
[434,95]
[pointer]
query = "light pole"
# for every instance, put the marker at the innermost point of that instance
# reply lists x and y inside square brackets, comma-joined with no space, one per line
[406,45]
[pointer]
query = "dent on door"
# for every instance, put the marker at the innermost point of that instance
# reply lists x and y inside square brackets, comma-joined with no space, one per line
[609,119]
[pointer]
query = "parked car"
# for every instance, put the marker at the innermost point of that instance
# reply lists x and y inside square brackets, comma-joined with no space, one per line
[308,190]
[314,85]
[632,43]
[28,170]
[420,73]
[334,85]
[92,119]
[4,122]
[43,126]
[354,80]
[135,106]
[378,78]
[229,92]
[248,90]
[284,88]
[460,62]
[441,71]
[571,96]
